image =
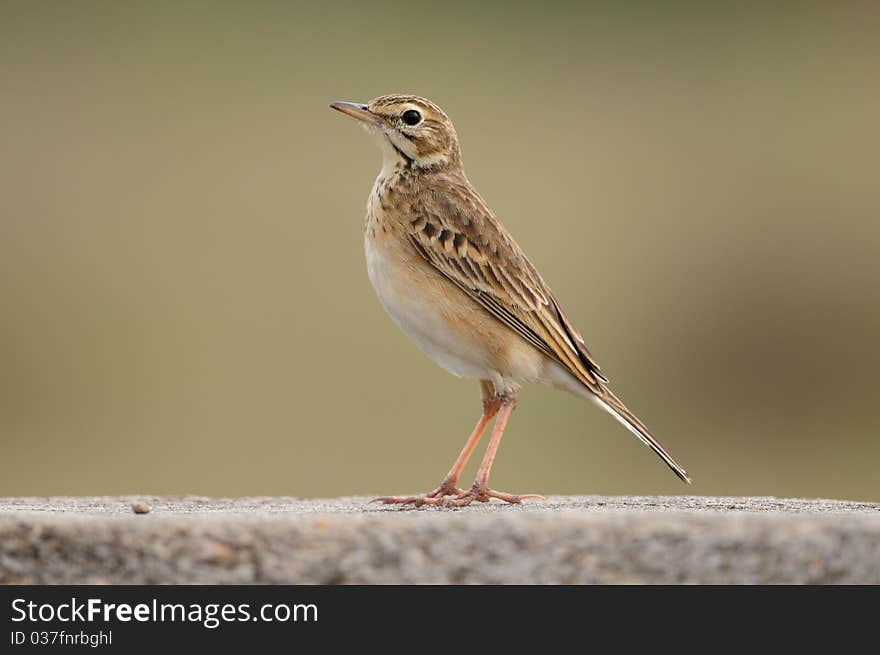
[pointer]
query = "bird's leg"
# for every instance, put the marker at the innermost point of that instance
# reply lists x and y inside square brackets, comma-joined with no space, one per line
[491,405]
[480,491]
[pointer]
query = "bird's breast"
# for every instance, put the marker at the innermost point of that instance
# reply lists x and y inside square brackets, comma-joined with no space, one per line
[418,305]
[442,320]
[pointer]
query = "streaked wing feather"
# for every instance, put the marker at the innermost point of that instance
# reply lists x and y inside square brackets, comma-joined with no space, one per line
[467,244]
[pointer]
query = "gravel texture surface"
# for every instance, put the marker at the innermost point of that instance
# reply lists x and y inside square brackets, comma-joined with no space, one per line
[570,539]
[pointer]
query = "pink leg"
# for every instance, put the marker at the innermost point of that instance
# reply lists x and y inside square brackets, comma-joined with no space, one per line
[491,405]
[480,491]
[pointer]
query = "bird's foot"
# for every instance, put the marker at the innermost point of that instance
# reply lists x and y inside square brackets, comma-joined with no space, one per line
[450,496]
[483,494]
[445,490]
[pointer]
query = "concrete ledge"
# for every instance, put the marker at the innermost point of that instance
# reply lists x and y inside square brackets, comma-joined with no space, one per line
[561,540]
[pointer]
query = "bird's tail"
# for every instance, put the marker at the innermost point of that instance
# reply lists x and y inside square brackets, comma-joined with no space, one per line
[614,406]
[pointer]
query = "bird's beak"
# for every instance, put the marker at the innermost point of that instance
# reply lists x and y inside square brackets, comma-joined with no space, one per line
[358,111]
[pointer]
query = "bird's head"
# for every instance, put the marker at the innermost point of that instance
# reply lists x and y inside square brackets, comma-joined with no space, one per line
[411,130]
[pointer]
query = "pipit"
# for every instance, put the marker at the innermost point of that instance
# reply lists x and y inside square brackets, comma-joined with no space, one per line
[453,279]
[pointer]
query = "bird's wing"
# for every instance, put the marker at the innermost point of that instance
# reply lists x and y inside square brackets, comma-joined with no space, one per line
[458,235]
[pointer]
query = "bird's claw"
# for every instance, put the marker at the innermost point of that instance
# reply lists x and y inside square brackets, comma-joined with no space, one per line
[431,498]
[454,497]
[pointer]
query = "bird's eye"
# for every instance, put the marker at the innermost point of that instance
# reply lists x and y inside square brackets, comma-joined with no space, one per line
[412,117]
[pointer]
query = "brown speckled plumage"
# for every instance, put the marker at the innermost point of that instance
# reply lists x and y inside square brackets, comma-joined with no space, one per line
[457,283]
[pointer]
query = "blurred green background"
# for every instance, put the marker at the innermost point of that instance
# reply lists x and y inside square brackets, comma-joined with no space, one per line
[183,301]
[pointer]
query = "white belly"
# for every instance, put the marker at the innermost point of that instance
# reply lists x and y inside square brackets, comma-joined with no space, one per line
[420,306]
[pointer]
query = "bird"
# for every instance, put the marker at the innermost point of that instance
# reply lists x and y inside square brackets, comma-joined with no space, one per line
[453,279]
